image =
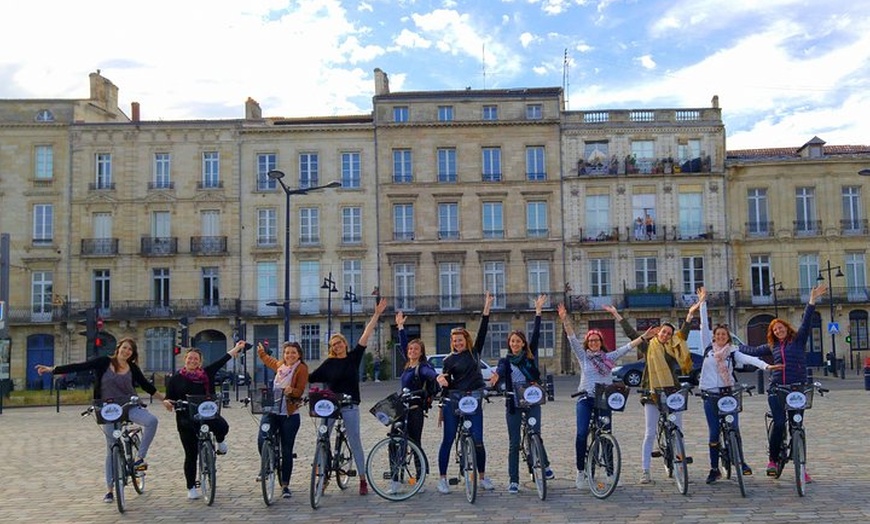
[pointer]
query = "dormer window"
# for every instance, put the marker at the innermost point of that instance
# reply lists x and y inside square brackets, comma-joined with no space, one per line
[44,115]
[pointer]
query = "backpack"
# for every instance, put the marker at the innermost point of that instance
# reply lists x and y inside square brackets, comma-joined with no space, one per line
[430,388]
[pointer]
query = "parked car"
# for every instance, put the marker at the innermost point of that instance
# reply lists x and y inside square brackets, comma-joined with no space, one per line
[437,361]
[76,380]
[228,376]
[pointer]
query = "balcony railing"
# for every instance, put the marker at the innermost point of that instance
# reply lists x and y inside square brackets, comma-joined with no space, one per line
[758,229]
[161,185]
[101,186]
[599,235]
[208,245]
[403,236]
[699,232]
[854,227]
[211,184]
[159,246]
[807,228]
[99,247]
[448,234]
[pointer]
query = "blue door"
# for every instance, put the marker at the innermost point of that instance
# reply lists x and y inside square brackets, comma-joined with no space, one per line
[40,350]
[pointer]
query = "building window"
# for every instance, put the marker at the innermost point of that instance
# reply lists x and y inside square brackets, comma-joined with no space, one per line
[491,160]
[402,173]
[643,156]
[43,224]
[643,207]
[403,222]
[448,221]
[160,287]
[534,112]
[351,225]
[162,166]
[266,162]
[310,341]
[159,342]
[852,217]
[546,337]
[445,113]
[493,220]
[596,159]
[597,217]
[44,164]
[689,150]
[447,165]
[808,272]
[309,226]
[691,214]
[759,272]
[400,114]
[211,290]
[538,279]
[309,170]
[44,115]
[856,277]
[41,294]
[758,222]
[645,273]
[449,291]
[693,274]
[104,171]
[536,219]
[102,288]
[599,277]
[351,269]
[497,334]
[267,227]
[490,112]
[267,287]
[405,286]
[805,211]
[351,170]
[536,166]
[211,170]
[494,281]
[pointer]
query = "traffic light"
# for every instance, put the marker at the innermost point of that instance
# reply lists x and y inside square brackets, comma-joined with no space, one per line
[848,339]
[90,323]
[98,331]
[183,335]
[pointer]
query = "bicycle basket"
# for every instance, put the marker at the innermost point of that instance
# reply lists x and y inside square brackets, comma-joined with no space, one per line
[728,401]
[389,409]
[109,411]
[528,395]
[323,403]
[796,397]
[672,400]
[467,403]
[262,401]
[611,396]
[203,407]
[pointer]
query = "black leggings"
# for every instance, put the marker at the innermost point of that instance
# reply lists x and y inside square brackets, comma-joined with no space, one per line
[189,435]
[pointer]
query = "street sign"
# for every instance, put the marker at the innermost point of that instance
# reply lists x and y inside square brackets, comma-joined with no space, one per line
[833,328]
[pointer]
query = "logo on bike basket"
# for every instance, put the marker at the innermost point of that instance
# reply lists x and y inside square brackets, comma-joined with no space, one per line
[796,400]
[676,401]
[207,409]
[616,401]
[324,407]
[111,412]
[468,405]
[533,395]
[727,404]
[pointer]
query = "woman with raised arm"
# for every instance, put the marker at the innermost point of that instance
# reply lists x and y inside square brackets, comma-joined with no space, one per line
[520,368]
[340,373]
[717,371]
[461,372]
[667,357]
[787,346]
[417,375]
[596,362]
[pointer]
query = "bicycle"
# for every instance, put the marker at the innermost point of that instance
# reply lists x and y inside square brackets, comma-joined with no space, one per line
[202,408]
[125,448]
[328,460]
[465,405]
[531,443]
[603,455]
[271,451]
[396,467]
[669,437]
[794,398]
[729,402]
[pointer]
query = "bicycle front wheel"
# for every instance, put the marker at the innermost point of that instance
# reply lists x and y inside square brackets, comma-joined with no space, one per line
[725,457]
[268,472]
[207,473]
[799,457]
[679,461]
[319,473]
[468,463]
[736,457]
[343,465]
[137,477]
[119,474]
[536,459]
[396,468]
[603,465]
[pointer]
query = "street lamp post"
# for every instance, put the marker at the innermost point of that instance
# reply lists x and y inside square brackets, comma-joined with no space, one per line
[774,287]
[828,269]
[329,286]
[350,297]
[279,175]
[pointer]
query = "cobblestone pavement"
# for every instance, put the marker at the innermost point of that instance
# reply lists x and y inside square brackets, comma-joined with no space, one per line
[51,470]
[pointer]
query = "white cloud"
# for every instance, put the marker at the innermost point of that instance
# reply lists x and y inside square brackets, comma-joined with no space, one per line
[526,39]
[646,61]
[410,39]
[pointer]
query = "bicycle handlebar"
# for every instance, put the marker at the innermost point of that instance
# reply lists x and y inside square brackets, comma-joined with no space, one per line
[134,399]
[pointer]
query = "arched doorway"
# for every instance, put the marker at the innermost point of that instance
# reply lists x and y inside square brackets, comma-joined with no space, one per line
[40,350]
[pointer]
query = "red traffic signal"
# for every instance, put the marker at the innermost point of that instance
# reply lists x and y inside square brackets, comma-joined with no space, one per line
[176,350]
[100,324]
[98,342]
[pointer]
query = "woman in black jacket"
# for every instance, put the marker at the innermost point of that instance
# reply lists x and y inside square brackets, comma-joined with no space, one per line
[116,378]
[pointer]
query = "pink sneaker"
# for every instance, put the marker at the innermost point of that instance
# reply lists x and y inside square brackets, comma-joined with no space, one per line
[771,469]
[807,478]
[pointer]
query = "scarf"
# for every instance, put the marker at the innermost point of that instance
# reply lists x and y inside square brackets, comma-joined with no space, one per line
[720,355]
[658,368]
[602,364]
[525,365]
[284,375]
[197,376]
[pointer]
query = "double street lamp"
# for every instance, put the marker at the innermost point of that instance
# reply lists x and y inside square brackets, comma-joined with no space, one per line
[350,297]
[329,286]
[279,175]
[774,287]
[828,269]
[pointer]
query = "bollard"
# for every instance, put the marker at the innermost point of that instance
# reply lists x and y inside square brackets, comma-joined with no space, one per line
[551,388]
[760,385]
[841,363]
[57,402]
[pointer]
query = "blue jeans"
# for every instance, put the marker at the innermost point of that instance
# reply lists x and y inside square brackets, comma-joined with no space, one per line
[775,439]
[139,416]
[450,420]
[514,427]
[350,414]
[286,426]
[584,416]
[712,414]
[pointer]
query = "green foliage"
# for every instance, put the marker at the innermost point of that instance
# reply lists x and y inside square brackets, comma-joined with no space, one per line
[659,289]
[369,366]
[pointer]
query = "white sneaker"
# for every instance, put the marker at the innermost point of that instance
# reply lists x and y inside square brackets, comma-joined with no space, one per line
[193,494]
[443,486]
[486,484]
[581,482]
[645,477]
[394,487]
[222,448]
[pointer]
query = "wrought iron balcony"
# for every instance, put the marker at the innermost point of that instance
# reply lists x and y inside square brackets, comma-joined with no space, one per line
[159,246]
[99,247]
[208,245]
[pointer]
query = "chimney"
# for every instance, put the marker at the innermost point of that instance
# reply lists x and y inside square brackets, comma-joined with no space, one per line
[382,82]
[715,101]
[135,112]
[252,110]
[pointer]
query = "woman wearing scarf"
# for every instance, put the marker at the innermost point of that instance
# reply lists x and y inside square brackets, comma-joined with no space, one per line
[717,372]
[193,379]
[787,347]
[667,357]
[596,362]
[288,388]
[418,374]
[519,368]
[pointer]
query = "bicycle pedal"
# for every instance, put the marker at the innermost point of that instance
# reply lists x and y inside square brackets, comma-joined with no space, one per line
[453,481]
[351,473]
[689,460]
[656,454]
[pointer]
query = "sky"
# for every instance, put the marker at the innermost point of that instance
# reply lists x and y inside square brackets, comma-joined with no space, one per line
[784,70]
